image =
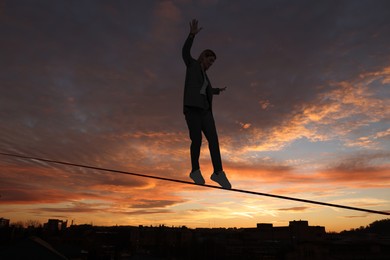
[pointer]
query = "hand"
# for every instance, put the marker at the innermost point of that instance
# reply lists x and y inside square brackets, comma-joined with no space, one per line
[194,27]
[222,89]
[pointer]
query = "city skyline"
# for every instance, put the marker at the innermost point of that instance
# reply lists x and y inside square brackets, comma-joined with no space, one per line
[297,241]
[62,224]
[305,113]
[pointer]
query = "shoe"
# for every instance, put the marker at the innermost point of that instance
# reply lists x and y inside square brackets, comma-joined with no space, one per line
[221,179]
[197,177]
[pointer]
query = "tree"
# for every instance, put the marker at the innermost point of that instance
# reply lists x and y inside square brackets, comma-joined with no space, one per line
[380,227]
[33,223]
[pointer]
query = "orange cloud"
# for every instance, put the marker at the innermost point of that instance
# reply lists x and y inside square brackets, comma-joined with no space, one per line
[332,115]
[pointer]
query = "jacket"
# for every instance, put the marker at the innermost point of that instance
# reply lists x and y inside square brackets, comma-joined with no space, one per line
[194,80]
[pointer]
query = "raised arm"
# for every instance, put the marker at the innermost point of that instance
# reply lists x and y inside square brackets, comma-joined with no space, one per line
[186,51]
[194,29]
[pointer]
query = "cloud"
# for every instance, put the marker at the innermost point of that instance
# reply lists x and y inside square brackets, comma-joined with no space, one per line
[75,207]
[167,22]
[61,185]
[147,212]
[34,196]
[295,209]
[366,169]
[339,111]
[362,202]
[142,203]
[357,216]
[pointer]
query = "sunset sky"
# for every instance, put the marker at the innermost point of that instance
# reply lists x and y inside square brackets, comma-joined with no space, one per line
[306,112]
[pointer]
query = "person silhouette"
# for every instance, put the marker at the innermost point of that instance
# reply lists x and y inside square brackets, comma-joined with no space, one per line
[197,108]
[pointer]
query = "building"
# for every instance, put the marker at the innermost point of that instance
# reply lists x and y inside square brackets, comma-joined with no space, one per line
[297,230]
[55,225]
[4,223]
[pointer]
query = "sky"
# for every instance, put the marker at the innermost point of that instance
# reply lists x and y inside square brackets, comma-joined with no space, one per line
[305,114]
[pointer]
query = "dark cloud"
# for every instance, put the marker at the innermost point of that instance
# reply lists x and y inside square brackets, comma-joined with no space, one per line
[77,208]
[33,196]
[297,209]
[148,212]
[324,42]
[154,203]
[357,216]
[362,162]
[370,170]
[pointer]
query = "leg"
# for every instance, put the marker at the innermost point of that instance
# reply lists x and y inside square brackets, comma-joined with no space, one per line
[194,123]
[210,131]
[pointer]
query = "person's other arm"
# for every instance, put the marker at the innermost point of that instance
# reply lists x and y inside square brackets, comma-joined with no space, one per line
[217,91]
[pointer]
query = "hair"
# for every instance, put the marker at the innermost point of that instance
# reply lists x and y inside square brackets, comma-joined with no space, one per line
[207,53]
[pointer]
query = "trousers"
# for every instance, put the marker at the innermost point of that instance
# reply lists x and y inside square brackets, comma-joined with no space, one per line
[198,121]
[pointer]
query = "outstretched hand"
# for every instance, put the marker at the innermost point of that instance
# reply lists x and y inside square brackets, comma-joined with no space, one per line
[194,27]
[222,89]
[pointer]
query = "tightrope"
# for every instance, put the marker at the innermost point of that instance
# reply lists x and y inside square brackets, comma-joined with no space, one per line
[191,183]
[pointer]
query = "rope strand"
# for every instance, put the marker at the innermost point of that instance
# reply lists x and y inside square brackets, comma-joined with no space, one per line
[191,183]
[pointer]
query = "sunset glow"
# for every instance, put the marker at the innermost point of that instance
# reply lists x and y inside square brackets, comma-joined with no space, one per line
[305,114]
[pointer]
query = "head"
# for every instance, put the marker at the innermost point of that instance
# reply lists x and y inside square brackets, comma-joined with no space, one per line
[207,58]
